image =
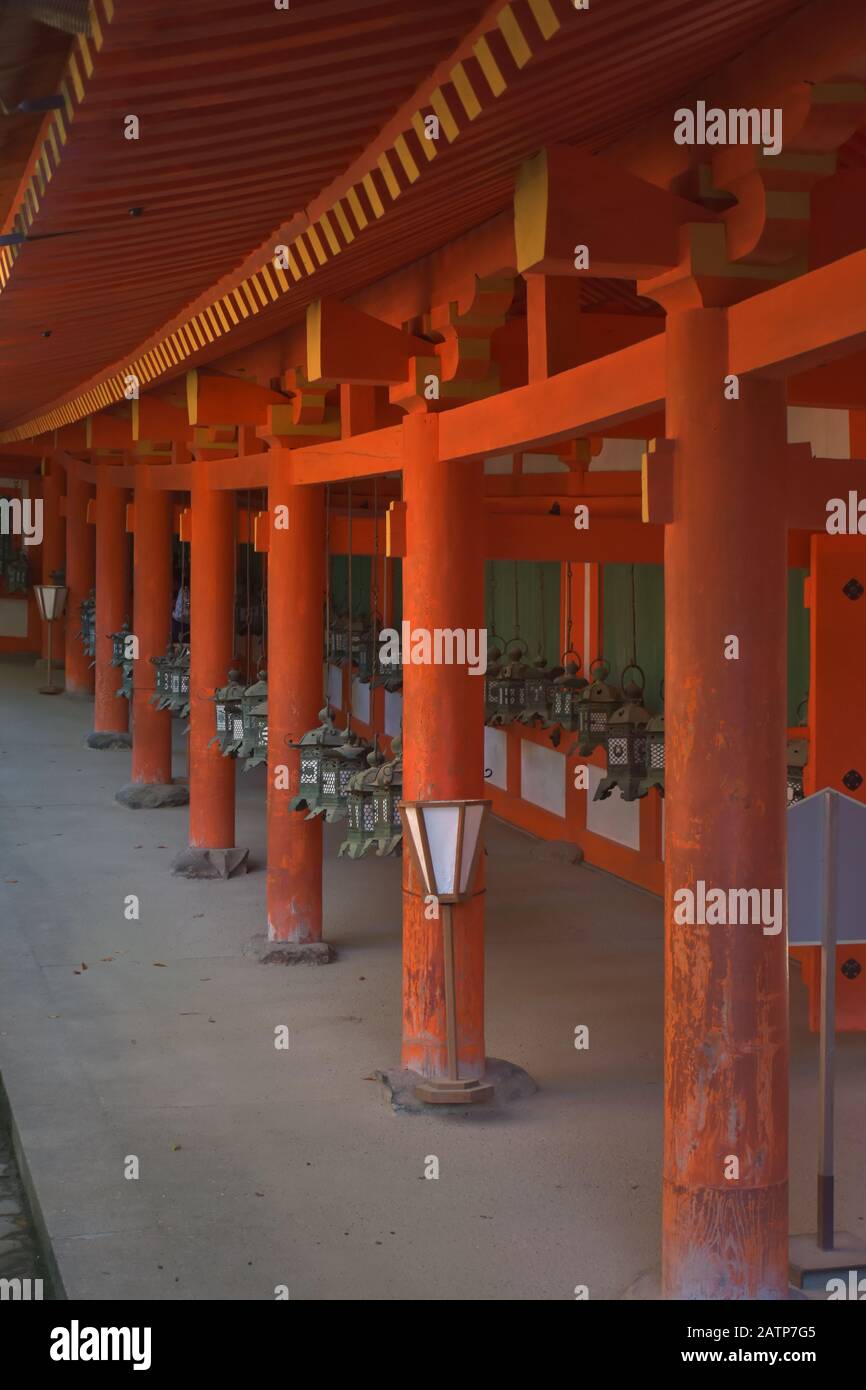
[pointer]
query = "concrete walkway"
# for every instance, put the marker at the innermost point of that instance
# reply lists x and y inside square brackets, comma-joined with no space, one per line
[260,1168]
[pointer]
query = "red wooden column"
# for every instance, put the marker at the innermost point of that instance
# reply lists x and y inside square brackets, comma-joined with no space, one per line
[80,575]
[151,784]
[53,548]
[443,738]
[726,1008]
[296,587]
[110,711]
[212,852]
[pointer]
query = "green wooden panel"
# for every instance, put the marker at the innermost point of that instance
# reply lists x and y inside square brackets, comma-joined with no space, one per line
[649,624]
[649,594]
[361,581]
[522,598]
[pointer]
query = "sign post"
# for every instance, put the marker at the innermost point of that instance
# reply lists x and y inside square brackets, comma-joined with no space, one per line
[826,856]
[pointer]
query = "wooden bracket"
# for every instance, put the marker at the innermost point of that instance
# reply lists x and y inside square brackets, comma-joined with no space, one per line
[657,482]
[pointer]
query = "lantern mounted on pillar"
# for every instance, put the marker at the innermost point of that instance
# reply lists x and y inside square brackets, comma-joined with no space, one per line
[626,745]
[51,599]
[446,842]
[259,726]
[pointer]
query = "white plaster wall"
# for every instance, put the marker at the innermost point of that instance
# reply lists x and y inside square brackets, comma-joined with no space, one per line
[826,430]
[335,687]
[496,757]
[619,455]
[13,617]
[361,700]
[542,777]
[614,818]
[393,712]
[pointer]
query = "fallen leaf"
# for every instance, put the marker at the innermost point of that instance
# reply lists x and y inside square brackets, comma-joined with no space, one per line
[159,962]
[175,1147]
[83,965]
[10,880]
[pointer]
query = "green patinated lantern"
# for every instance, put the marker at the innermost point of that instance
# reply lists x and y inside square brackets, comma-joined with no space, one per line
[339,764]
[655,756]
[597,703]
[252,696]
[539,692]
[508,688]
[361,808]
[387,795]
[313,746]
[566,693]
[494,666]
[259,724]
[17,570]
[625,742]
[798,757]
[227,702]
[87,618]
[119,658]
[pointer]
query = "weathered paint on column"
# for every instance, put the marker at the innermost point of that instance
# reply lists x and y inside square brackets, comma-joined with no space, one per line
[110,711]
[296,587]
[443,737]
[80,576]
[212,565]
[726,1007]
[151,625]
[53,549]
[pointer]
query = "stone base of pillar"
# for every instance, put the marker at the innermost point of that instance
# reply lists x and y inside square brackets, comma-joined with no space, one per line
[108,740]
[509,1082]
[210,863]
[296,953]
[147,796]
[646,1287]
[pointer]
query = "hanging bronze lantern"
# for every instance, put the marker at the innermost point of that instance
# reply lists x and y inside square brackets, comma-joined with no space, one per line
[655,756]
[338,767]
[798,757]
[595,706]
[252,696]
[227,702]
[565,693]
[118,644]
[387,795]
[539,692]
[17,570]
[259,726]
[312,747]
[361,808]
[508,688]
[494,666]
[87,618]
[626,745]
[655,752]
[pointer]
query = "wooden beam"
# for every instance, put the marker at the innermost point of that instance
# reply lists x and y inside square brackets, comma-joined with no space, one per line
[585,400]
[565,200]
[803,323]
[346,345]
[214,398]
[361,456]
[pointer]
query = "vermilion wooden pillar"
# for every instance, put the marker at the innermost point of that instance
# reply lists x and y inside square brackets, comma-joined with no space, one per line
[80,574]
[726,1010]
[212,565]
[53,548]
[443,738]
[110,712]
[151,624]
[296,586]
